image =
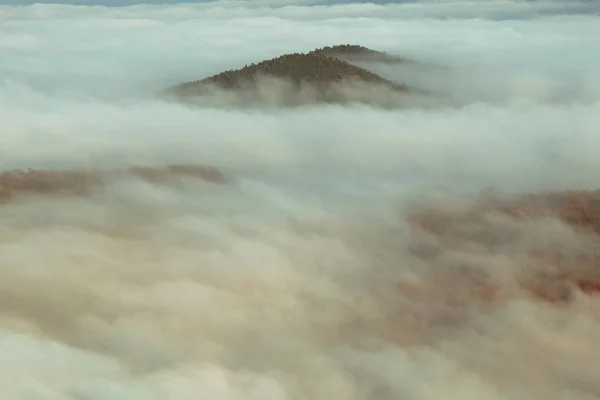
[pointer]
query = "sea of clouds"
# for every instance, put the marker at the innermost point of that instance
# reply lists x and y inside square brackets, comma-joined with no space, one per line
[283,283]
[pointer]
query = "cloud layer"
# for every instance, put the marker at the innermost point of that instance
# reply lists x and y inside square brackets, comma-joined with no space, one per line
[284,283]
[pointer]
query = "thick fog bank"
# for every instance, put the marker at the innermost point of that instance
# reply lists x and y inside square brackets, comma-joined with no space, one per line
[300,277]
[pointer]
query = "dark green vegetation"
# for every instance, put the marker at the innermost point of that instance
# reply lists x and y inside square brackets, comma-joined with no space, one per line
[355,53]
[297,68]
[320,76]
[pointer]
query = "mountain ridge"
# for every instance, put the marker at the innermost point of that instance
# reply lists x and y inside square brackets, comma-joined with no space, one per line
[327,77]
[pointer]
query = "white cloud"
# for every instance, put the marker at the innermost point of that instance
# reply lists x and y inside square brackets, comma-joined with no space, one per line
[283,283]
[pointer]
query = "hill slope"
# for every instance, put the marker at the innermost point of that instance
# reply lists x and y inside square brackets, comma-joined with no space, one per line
[356,53]
[315,68]
[552,275]
[296,79]
[17,183]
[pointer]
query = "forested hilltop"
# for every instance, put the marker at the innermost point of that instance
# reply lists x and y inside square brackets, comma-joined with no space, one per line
[320,68]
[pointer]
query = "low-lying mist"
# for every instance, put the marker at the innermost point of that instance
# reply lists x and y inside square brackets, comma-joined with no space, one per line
[302,275]
[277,93]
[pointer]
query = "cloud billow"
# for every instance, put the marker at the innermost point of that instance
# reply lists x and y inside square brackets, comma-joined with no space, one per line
[301,277]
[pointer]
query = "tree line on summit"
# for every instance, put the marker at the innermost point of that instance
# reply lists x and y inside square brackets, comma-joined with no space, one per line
[319,67]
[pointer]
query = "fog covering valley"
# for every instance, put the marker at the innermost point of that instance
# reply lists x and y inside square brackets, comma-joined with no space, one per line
[302,274]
